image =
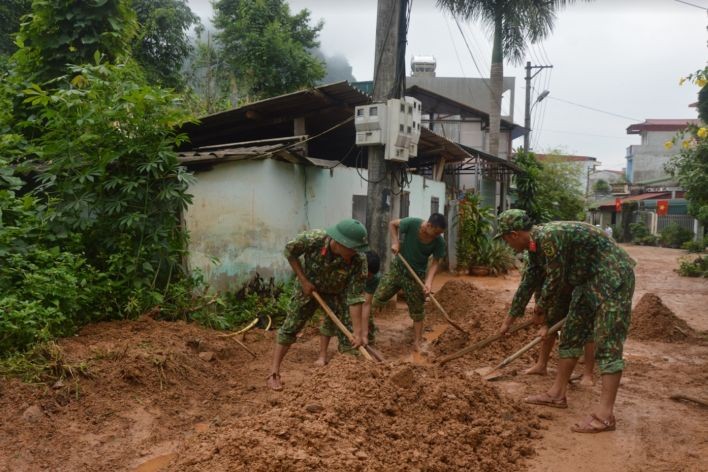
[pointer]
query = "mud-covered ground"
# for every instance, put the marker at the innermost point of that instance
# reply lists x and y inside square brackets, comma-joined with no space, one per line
[148,395]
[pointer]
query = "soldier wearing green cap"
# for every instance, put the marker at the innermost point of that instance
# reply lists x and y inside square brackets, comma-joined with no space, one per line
[600,276]
[334,265]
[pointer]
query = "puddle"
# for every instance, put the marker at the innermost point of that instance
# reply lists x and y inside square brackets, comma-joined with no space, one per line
[156,463]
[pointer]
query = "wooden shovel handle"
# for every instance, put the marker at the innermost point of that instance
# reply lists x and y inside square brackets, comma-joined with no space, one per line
[422,285]
[531,344]
[340,325]
[480,344]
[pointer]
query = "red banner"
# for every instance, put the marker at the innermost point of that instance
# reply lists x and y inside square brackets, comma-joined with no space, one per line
[662,207]
[618,205]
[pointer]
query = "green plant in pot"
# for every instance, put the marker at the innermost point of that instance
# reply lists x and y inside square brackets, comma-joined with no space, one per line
[475,226]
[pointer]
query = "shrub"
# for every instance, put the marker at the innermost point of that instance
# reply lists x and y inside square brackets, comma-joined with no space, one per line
[475,225]
[695,246]
[641,235]
[674,235]
[694,268]
[499,257]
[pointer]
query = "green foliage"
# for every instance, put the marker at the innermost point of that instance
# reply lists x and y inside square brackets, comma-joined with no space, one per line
[208,77]
[475,226]
[641,235]
[674,235]
[499,257]
[10,13]
[697,267]
[163,43]
[65,32]
[617,233]
[527,185]
[266,48]
[695,246]
[601,187]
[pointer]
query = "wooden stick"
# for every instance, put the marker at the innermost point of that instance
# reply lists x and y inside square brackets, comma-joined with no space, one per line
[680,396]
[422,285]
[521,351]
[231,335]
[244,346]
[480,344]
[340,325]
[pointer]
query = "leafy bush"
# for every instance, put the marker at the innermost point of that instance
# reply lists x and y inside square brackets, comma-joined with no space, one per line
[499,257]
[617,233]
[641,235]
[695,246]
[694,268]
[475,226]
[674,235]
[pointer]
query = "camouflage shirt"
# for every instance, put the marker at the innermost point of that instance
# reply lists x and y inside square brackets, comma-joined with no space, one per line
[570,253]
[328,272]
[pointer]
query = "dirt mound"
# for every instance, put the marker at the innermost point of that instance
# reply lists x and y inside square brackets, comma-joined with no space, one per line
[356,416]
[654,321]
[480,313]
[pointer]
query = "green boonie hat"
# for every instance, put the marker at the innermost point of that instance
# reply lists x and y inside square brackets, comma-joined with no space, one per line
[512,220]
[349,233]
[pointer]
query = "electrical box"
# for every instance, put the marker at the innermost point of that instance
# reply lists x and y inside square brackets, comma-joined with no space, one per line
[396,124]
[370,122]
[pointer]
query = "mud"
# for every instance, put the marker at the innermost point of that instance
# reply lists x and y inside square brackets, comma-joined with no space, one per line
[654,321]
[152,396]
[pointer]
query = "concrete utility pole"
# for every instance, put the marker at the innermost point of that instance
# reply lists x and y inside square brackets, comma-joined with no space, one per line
[389,82]
[527,108]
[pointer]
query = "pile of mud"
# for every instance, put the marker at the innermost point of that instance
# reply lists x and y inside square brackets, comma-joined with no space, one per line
[357,416]
[480,313]
[654,321]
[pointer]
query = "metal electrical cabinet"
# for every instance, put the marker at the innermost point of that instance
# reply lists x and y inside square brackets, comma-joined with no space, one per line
[395,124]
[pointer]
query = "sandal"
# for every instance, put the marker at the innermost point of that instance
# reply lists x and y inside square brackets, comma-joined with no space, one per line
[545,400]
[273,382]
[588,427]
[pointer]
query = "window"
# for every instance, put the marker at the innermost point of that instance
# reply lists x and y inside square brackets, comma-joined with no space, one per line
[434,205]
[359,208]
[373,111]
[405,205]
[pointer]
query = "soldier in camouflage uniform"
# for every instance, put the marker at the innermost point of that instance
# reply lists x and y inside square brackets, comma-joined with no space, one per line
[601,275]
[373,263]
[420,239]
[333,265]
[532,283]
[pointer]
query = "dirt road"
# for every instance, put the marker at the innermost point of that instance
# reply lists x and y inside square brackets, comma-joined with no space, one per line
[149,395]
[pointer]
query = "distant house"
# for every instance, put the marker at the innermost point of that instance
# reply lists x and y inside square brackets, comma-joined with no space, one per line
[585,164]
[270,169]
[645,161]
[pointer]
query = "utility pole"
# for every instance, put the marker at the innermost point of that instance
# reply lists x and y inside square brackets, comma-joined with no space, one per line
[527,109]
[389,82]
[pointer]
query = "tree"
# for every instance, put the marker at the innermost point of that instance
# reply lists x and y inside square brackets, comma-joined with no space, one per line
[601,187]
[513,24]
[690,165]
[527,185]
[266,48]
[163,42]
[65,32]
[10,13]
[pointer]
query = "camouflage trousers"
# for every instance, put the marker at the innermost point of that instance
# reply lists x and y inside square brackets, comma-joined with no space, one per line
[302,309]
[606,321]
[344,344]
[398,278]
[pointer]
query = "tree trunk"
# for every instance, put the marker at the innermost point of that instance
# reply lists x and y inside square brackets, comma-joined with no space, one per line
[496,77]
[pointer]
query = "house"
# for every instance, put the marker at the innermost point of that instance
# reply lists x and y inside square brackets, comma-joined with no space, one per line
[646,161]
[270,169]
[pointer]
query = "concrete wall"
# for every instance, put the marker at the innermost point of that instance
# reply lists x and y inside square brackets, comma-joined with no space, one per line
[244,212]
[649,158]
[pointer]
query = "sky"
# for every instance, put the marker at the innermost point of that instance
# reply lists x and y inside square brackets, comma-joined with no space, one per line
[615,63]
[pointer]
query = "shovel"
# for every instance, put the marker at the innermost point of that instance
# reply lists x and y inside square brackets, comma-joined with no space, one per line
[368,352]
[422,285]
[493,374]
[480,344]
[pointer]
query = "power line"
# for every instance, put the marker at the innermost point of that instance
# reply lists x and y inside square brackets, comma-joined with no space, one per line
[464,38]
[594,109]
[559,131]
[691,4]
[454,46]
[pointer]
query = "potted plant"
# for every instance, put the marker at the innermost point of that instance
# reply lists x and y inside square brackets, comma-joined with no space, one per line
[475,226]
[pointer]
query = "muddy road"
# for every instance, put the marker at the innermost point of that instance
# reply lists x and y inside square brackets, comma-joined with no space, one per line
[148,395]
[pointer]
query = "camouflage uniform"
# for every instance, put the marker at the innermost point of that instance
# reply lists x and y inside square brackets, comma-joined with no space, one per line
[601,274]
[340,285]
[398,278]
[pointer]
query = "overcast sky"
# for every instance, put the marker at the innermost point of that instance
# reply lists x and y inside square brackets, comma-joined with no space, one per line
[623,57]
